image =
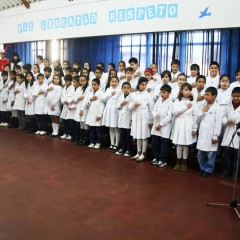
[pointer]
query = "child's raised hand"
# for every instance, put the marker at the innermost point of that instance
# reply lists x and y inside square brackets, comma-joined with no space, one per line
[98,118]
[113,92]
[49,89]
[214,141]
[205,108]
[4,101]
[149,90]
[189,105]
[194,133]
[137,104]
[122,77]
[94,98]
[200,98]
[150,125]
[81,113]
[52,107]
[17,91]
[158,127]
[5,85]
[231,122]
[81,98]
[137,74]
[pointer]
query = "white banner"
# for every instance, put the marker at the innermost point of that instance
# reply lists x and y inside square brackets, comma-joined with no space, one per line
[59,19]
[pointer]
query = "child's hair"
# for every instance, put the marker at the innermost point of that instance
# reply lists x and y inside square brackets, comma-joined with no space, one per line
[112,65]
[148,70]
[68,77]
[237,71]
[81,72]
[37,66]
[77,63]
[154,64]
[40,75]
[32,81]
[122,62]
[109,78]
[69,69]
[195,66]
[140,81]
[98,68]
[133,60]
[46,59]
[47,69]
[221,77]
[214,63]
[166,72]
[15,55]
[126,83]
[102,65]
[166,88]
[27,67]
[86,85]
[60,79]
[17,67]
[76,78]
[96,80]
[182,74]
[185,85]
[128,69]
[4,73]
[13,72]
[74,70]
[236,90]
[201,76]
[175,62]
[90,66]
[212,90]
[59,69]
[67,62]
[20,75]
[40,57]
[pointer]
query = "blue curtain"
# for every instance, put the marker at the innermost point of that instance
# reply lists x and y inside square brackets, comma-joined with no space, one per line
[95,49]
[230,51]
[23,49]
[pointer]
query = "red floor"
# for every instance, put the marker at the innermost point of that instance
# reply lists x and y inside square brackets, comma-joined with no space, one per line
[52,189]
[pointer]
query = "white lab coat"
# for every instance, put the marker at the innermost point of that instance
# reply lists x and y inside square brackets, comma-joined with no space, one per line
[96,108]
[81,104]
[66,93]
[11,95]
[3,95]
[195,94]
[72,106]
[224,98]
[150,86]
[209,128]
[164,110]
[40,106]
[124,113]
[141,115]
[19,103]
[185,122]
[110,114]
[212,82]
[54,99]
[28,95]
[233,115]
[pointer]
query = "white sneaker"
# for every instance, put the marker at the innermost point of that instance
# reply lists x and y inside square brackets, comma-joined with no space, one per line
[97,146]
[63,136]
[68,137]
[127,154]
[141,158]
[42,133]
[136,156]
[91,145]
[38,132]
[5,125]
[1,124]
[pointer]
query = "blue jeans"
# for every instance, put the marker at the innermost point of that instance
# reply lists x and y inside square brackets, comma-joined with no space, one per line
[206,160]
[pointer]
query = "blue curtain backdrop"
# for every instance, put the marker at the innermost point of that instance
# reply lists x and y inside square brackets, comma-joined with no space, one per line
[160,48]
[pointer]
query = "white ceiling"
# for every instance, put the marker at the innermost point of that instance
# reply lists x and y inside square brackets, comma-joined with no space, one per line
[5,4]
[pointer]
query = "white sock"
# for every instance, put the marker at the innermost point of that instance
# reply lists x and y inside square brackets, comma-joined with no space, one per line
[56,128]
[53,127]
[117,135]
[112,135]
[144,147]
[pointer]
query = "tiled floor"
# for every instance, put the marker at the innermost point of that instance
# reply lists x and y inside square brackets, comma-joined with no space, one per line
[52,189]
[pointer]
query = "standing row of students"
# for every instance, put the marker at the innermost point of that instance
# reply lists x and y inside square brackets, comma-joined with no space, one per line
[130,107]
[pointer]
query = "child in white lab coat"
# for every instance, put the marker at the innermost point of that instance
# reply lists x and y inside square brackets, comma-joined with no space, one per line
[185,126]
[110,114]
[151,82]
[19,103]
[40,106]
[199,91]
[232,145]
[181,79]
[162,121]
[195,69]
[141,105]
[29,105]
[124,120]
[94,116]
[54,92]
[210,120]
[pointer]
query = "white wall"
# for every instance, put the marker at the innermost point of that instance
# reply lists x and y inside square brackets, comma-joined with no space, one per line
[58,19]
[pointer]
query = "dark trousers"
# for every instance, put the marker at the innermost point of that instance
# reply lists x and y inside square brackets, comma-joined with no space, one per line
[5,116]
[95,134]
[74,129]
[160,148]
[42,121]
[22,119]
[126,139]
[230,161]
[67,127]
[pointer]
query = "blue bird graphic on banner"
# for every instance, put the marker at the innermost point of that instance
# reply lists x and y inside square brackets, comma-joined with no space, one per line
[205,13]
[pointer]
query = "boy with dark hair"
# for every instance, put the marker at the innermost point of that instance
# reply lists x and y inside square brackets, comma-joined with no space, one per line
[162,117]
[213,78]
[210,124]
[175,66]
[138,72]
[232,118]
[48,75]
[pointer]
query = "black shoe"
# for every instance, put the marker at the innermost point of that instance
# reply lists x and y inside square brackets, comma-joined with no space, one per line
[206,174]
[225,174]
[200,173]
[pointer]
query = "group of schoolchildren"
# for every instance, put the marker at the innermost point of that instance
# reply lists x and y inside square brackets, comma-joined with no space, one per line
[134,105]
